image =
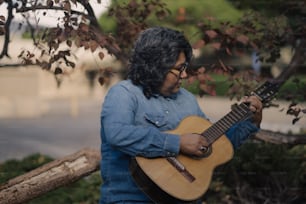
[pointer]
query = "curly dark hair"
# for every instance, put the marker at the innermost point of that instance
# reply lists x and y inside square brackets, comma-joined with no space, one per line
[155,52]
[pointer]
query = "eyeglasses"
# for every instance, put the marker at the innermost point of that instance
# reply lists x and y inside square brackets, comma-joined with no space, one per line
[181,68]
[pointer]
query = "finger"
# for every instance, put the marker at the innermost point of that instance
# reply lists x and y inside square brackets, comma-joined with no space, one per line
[253,108]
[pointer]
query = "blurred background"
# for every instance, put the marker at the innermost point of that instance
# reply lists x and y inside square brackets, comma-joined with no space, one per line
[56,111]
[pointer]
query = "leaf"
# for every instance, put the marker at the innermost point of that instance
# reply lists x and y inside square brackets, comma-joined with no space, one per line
[230,31]
[243,39]
[67,6]
[69,43]
[101,55]
[50,3]
[93,45]
[211,34]
[295,120]
[222,65]
[58,71]
[228,51]
[83,27]
[199,44]
[101,80]
[216,45]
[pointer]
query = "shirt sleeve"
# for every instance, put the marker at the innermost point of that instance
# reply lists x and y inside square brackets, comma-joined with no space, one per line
[240,132]
[121,132]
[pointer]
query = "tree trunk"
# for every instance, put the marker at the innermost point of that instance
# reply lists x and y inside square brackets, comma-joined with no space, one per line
[280,138]
[50,176]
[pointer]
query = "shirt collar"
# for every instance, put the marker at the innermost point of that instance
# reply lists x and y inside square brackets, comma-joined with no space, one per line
[173,96]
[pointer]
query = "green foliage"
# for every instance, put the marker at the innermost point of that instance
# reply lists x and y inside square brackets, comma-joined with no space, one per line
[222,84]
[186,19]
[84,191]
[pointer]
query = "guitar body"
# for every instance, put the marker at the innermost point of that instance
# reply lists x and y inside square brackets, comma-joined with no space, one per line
[163,182]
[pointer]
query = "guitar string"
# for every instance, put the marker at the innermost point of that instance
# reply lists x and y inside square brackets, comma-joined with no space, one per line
[238,113]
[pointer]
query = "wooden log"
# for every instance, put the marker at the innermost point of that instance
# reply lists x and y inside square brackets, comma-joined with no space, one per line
[280,138]
[50,176]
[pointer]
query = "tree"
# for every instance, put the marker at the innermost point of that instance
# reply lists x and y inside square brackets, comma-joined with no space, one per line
[263,32]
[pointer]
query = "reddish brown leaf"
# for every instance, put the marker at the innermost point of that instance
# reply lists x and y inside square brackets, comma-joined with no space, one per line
[228,51]
[230,31]
[101,80]
[222,64]
[243,39]
[101,55]
[67,6]
[199,44]
[83,27]
[211,34]
[93,45]
[216,45]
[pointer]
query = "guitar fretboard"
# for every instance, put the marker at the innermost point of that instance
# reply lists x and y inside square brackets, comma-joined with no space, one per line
[239,112]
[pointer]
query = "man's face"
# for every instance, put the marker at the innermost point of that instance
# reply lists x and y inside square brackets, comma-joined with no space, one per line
[173,80]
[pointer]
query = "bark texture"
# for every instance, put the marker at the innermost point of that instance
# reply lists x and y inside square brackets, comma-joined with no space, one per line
[49,177]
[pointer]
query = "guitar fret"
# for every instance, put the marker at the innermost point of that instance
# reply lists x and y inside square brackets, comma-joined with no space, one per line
[224,122]
[245,108]
[215,130]
[240,112]
[232,118]
[219,128]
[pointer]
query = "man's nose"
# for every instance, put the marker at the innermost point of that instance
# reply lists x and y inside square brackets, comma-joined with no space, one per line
[183,74]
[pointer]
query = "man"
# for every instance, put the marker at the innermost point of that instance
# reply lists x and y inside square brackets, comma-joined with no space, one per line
[137,112]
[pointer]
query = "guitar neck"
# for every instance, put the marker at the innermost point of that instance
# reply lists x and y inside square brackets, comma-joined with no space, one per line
[239,113]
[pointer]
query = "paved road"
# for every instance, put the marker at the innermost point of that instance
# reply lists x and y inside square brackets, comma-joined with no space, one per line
[57,133]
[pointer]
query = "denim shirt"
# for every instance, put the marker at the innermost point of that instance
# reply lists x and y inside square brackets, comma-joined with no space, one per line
[133,125]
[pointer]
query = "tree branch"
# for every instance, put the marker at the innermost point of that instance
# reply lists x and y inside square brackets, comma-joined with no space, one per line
[7,29]
[298,59]
[280,138]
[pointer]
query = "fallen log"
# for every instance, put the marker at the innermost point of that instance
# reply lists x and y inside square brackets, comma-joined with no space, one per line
[50,176]
[280,138]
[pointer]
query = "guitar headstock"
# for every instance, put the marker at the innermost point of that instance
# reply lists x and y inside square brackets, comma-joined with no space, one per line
[267,91]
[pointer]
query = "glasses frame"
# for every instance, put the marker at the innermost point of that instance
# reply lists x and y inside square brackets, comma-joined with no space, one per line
[181,68]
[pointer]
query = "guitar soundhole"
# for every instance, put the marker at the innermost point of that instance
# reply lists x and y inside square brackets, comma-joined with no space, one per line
[206,153]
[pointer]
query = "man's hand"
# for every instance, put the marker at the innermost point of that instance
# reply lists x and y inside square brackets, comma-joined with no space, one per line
[191,144]
[255,106]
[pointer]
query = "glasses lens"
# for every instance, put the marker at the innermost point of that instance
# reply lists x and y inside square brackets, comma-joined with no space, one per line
[183,68]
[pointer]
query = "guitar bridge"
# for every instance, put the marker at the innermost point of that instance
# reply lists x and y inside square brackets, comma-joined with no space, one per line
[180,167]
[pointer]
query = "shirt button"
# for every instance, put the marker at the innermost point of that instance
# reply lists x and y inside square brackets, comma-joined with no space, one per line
[156,122]
[167,112]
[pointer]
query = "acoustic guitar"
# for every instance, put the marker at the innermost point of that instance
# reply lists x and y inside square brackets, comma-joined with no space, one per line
[185,178]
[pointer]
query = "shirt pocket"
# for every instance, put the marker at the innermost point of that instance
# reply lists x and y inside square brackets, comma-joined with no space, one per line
[157,119]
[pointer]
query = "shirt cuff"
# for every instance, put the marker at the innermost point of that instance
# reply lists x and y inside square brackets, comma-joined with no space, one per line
[172,145]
